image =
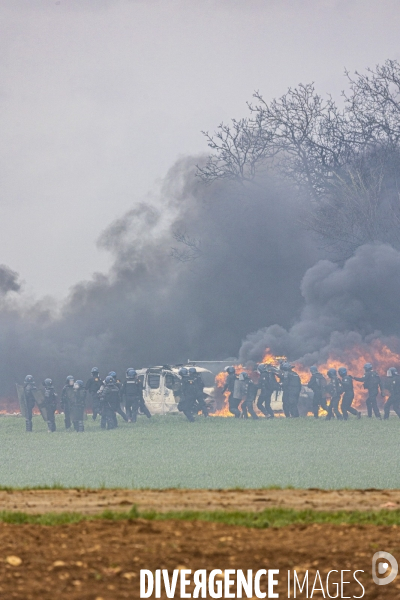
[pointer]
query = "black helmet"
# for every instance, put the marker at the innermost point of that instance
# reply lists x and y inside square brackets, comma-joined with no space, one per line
[69,379]
[131,373]
[109,379]
[183,371]
[230,369]
[29,379]
[48,382]
[192,371]
[79,383]
[94,371]
[331,373]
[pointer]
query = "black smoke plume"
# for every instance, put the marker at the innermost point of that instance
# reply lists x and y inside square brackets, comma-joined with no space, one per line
[344,306]
[194,271]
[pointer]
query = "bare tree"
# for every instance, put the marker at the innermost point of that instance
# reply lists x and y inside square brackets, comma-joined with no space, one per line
[347,161]
[191,248]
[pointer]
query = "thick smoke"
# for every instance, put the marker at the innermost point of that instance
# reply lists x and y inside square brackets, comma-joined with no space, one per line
[8,281]
[343,306]
[194,271]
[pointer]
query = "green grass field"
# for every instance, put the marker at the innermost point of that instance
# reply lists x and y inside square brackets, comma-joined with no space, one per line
[211,453]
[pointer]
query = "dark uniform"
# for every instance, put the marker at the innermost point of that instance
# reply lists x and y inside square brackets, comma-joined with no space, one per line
[189,393]
[250,392]
[334,389]
[77,406]
[291,388]
[393,401]
[117,407]
[66,396]
[348,397]
[50,402]
[372,383]
[317,384]
[233,402]
[132,392]
[109,396]
[29,389]
[267,385]
[200,400]
[92,386]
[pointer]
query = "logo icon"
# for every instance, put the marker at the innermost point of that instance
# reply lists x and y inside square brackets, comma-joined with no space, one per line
[384,560]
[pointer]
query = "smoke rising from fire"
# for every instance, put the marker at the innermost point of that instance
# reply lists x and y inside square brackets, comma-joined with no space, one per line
[345,306]
[194,271]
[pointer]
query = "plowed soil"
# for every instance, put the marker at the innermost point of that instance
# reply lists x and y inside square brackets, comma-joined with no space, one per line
[95,501]
[102,559]
[97,560]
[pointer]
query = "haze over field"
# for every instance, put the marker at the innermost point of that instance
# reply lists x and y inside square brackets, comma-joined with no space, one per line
[102,104]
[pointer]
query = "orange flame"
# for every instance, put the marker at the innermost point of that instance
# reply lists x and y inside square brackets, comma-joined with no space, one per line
[376,352]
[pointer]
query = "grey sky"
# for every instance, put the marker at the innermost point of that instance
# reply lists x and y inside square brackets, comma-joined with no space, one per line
[98,98]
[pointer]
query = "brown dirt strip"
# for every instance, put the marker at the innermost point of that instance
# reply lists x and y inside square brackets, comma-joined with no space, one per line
[101,559]
[96,501]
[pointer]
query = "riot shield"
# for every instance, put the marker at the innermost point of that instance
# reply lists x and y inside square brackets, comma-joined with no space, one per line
[238,389]
[40,401]
[21,399]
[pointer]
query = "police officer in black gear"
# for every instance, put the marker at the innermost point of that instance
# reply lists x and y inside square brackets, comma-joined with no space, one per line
[29,389]
[109,395]
[334,389]
[50,402]
[249,395]
[372,383]
[317,384]
[132,392]
[77,405]
[92,387]
[231,385]
[200,400]
[348,395]
[267,385]
[117,407]
[393,401]
[66,397]
[188,401]
[291,388]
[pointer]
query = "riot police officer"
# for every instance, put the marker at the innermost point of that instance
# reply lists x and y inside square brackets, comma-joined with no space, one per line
[117,407]
[199,383]
[372,383]
[29,391]
[249,395]
[393,401]
[92,386]
[334,389]
[109,396]
[291,388]
[317,384]
[77,405]
[267,385]
[132,391]
[188,394]
[231,386]
[66,396]
[348,394]
[50,403]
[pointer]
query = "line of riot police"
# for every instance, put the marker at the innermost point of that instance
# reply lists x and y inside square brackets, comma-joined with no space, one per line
[333,393]
[107,397]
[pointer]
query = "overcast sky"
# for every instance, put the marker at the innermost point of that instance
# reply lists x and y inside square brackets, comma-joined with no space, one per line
[98,98]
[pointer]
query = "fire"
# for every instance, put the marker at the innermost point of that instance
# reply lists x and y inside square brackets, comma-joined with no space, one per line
[376,352]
